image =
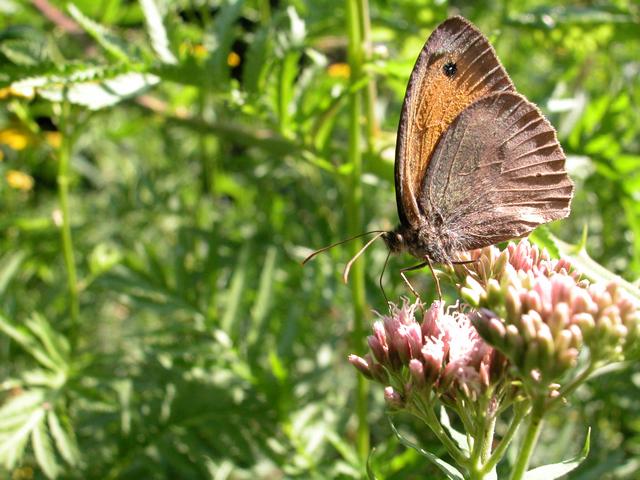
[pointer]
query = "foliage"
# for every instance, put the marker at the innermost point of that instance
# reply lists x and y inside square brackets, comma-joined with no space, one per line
[179,159]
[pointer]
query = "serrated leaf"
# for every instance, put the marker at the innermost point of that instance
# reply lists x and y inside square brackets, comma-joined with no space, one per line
[114,45]
[27,341]
[13,441]
[44,450]
[88,88]
[16,410]
[65,439]
[56,345]
[21,52]
[157,32]
[448,470]
[557,470]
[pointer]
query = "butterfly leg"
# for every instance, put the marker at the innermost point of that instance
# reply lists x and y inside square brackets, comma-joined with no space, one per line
[435,278]
[406,280]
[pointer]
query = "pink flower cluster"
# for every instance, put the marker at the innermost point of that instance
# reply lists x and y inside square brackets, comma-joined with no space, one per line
[540,314]
[444,354]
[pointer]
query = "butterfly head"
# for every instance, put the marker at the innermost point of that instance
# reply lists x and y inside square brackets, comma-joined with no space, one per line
[394,240]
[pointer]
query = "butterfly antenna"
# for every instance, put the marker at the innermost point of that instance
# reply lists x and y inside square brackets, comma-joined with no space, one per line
[345,275]
[329,247]
[384,267]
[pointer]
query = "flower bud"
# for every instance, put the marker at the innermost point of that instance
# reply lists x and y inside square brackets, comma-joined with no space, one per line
[393,399]
[380,352]
[417,372]
[361,365]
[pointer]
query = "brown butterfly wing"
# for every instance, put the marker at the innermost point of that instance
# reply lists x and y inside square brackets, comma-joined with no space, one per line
[434,99]
[496,174]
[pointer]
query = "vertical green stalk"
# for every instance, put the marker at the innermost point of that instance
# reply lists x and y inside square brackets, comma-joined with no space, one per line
[64,160]
[534,425]
[265,11]
[354,215]
[370,91]
[205,160]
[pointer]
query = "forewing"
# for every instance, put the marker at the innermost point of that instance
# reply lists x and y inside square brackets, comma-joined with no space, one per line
[496,174]
[434,99]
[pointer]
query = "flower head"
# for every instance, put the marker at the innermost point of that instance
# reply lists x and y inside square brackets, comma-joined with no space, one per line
[540,314]
[443,354]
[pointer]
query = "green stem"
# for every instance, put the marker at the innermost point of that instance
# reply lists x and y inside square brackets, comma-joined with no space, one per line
[265,12]
[575,383]
[501,449]
[64,161]
[483,433]
[354,218]
[370,91]
[428,416]
[205,166]
[534,425]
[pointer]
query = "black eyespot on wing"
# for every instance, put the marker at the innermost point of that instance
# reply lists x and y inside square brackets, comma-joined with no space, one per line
[449,69]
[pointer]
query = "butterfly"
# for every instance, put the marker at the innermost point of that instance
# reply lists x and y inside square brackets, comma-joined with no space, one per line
[476,162]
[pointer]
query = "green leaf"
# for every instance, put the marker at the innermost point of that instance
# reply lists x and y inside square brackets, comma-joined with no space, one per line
[592,269]
[370,473]
[44,451]
[448,470]
[541,236]
[157,32]
[64,438]
[27,341]
[9,265]
[18,417]
[113,44]
[460,438]
[56,345]
[223,40]
[236,288]
[557,470]
[256,61]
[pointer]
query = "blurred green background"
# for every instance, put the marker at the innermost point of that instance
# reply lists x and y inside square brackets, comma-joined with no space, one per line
[156,321]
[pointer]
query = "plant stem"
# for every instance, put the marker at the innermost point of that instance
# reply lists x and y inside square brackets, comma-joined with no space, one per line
[534,425]
[354,218]
[64,160]
[428,416]
[370,91]
[575,383]
[500,450]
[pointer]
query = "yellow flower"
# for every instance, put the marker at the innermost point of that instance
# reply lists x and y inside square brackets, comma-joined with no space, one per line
[14,138]
[341,70]
[19,180]
[53,138]
[199,51]
[233,59]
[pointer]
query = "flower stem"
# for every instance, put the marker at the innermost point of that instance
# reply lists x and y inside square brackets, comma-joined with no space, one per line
[64,160]
[370,92]
[354,215]
[534,426]
[428,416]
[575,383]
[500,450]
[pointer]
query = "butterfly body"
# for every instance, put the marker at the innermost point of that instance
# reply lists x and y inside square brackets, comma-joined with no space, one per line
[428,239]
